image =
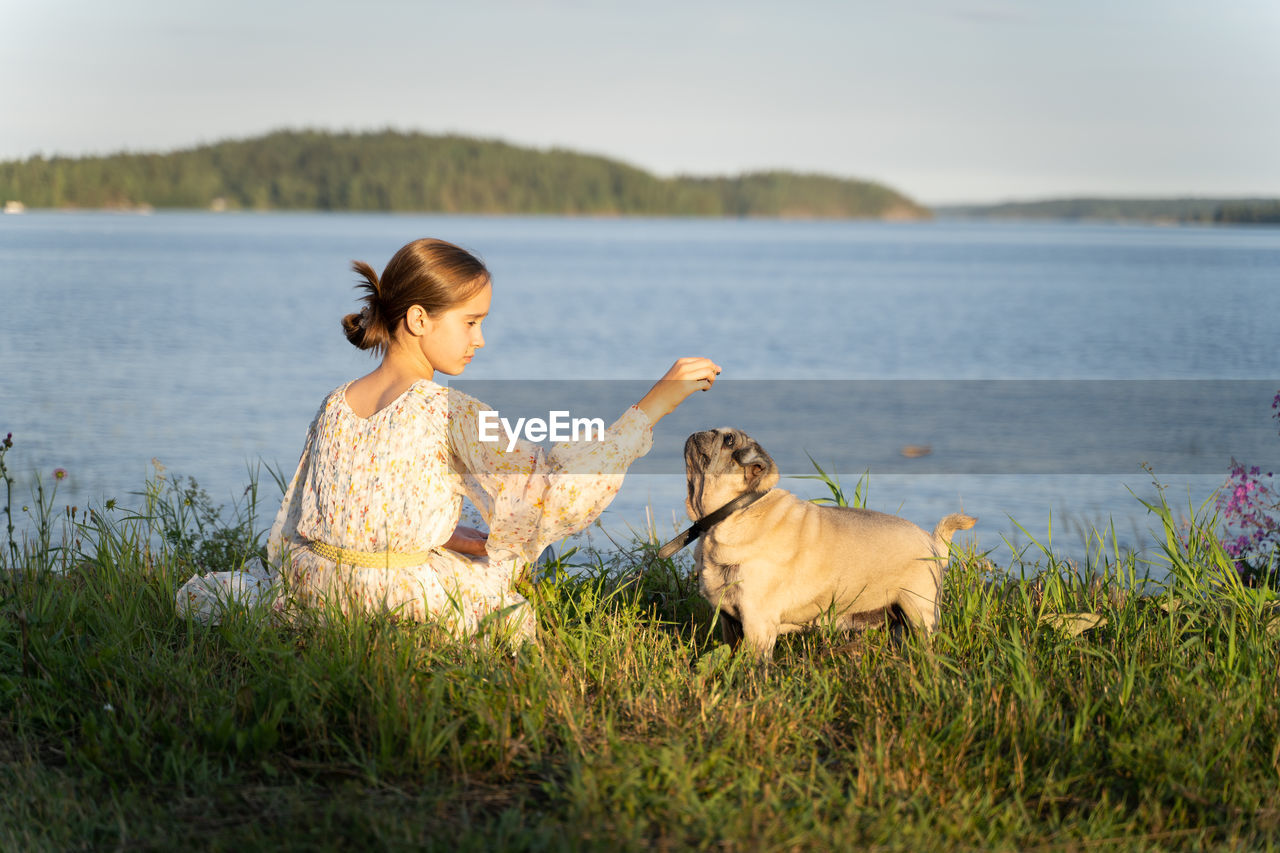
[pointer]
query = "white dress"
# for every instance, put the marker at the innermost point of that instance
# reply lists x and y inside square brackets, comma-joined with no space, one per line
[395,482]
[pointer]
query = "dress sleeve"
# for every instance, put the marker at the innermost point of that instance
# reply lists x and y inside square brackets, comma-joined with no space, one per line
[531,497]
[204,597]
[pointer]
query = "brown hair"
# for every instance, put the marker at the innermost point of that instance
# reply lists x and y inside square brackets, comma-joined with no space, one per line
[431,273]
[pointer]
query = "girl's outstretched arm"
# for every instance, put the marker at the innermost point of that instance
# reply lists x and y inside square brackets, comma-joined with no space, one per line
[685,376]
[531,497]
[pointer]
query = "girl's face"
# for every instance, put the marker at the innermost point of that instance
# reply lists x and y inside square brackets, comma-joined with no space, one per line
[451,339]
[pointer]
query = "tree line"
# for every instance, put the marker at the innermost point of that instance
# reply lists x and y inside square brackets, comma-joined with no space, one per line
[1181,210]
[394,171]
[1257,212]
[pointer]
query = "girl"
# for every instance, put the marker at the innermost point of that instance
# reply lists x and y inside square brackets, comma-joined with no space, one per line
[370,519]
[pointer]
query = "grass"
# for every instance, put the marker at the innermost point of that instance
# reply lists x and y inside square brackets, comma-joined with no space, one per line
[123,725]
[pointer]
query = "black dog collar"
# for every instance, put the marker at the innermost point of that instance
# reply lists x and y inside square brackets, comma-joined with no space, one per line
[708,521]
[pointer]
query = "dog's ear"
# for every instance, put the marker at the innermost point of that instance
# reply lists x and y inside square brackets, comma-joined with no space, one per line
[754,461]
[696,459]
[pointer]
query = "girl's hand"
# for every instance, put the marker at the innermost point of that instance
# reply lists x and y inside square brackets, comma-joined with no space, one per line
[467,540]
[685,376]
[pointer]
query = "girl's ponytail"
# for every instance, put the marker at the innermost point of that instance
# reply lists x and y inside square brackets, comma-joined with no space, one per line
[367,329]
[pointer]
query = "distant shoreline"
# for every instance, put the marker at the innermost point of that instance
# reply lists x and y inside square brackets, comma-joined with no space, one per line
[972,213]
[391,171]
[396,172]
[1151,211]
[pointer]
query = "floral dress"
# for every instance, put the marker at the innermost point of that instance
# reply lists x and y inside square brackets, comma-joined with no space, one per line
[394,482]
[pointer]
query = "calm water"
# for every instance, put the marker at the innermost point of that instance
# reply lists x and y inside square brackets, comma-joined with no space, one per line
[207,341]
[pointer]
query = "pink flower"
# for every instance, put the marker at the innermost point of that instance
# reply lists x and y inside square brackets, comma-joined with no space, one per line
[59,473]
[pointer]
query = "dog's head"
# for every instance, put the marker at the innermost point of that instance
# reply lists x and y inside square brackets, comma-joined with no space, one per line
[721,464]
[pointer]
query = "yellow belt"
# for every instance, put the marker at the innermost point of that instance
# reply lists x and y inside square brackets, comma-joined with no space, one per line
[369,559]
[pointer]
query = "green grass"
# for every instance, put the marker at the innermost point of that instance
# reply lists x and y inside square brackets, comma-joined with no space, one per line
[123,725]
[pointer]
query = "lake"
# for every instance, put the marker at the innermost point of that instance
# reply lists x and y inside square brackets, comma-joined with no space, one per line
[1039,364]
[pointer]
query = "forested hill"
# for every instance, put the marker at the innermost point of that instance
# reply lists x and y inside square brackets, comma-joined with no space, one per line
[391,171]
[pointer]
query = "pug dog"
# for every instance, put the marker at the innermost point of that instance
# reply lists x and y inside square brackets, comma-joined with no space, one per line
[783,564]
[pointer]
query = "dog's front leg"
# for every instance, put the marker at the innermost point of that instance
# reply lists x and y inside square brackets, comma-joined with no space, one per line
[730,630]
[760,635]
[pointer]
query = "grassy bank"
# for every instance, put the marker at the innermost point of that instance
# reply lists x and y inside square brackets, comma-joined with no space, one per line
[125,725]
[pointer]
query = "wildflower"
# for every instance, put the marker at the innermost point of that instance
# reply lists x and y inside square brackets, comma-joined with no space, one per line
[59,473]
[8,441]
[1249,505]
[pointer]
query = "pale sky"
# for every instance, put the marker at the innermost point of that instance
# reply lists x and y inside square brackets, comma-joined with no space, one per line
[945,100]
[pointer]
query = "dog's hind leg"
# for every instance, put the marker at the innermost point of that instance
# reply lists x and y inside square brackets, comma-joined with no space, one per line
[920,612]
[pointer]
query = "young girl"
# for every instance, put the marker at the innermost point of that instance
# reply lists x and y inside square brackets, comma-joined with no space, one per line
[370,518]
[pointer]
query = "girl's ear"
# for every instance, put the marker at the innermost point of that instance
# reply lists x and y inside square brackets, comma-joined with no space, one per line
[417,321]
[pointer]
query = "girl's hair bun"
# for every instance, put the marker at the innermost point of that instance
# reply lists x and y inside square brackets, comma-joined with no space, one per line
[354,329]
[362,329]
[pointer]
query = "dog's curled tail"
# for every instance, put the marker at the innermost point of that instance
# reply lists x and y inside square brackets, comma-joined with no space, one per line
[948,526]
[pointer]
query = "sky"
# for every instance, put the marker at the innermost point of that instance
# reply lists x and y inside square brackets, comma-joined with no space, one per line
[949,101]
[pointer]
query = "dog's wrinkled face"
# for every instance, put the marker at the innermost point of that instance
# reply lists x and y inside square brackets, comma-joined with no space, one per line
[721,464]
